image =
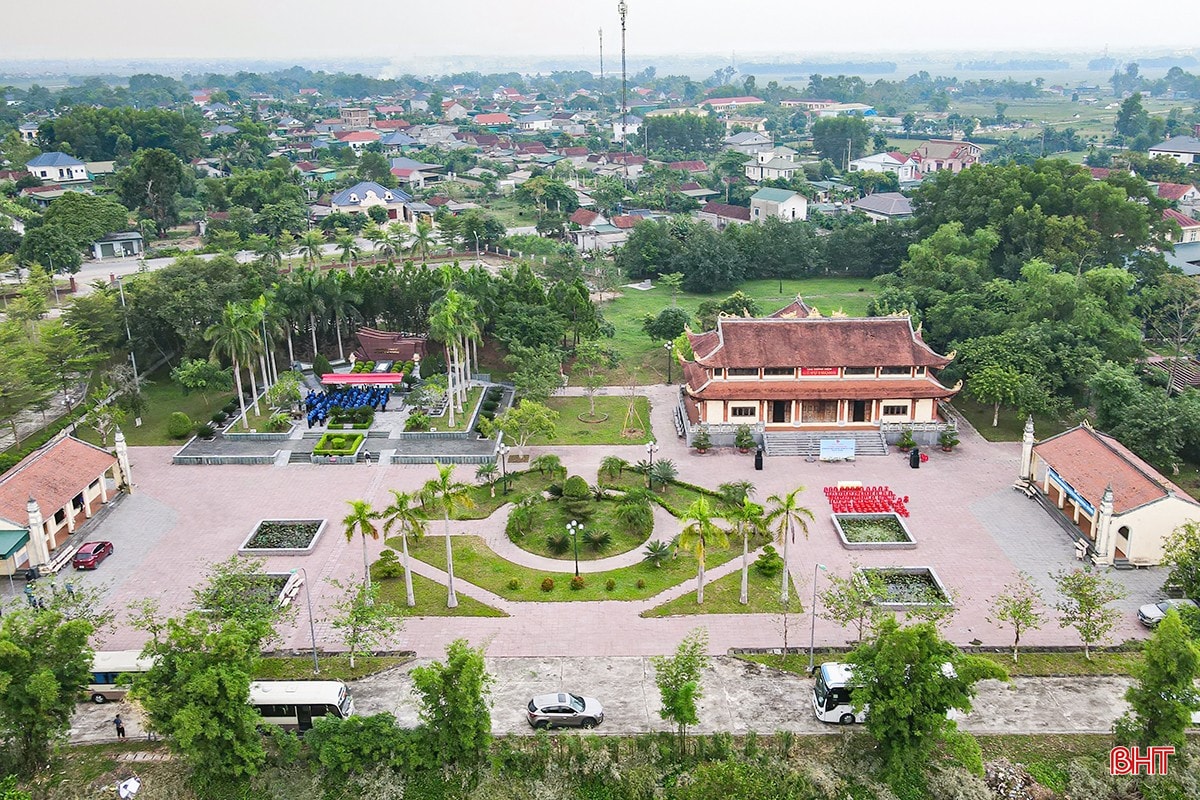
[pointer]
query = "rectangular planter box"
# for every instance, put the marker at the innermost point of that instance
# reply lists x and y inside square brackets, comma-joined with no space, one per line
[927,572]
[346,458]
[908,543]
[245,550]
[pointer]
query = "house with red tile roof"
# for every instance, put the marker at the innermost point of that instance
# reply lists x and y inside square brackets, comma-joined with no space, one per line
[798,370]
[357,140]
[951,154]
[693,167]
[1189,228]
[728,103]
[1117,505]
[721,215]
[497,120]
[50,493]
[1184,193]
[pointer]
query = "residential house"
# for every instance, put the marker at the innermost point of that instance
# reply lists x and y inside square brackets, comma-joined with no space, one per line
[690,167]
[416,174]
[494,120]
[419,103]
[1184,149]
[126,244]
[385,126]
[58,168]
[1118,506]
[884,206]
[846,110]
[357,140]
[28,132]
[778,163]
[315,173]
[722,215]
[748,142]
[779,203]
[362,196]
[1189,228]
[807,105]
[452,111]
[696,191]
[396,142]
[900,165]
[537,121]
[1185,194]
[797,370]
[214,110]
[756,124]
[939,154]
[626,126]
[721,104]
[354,118]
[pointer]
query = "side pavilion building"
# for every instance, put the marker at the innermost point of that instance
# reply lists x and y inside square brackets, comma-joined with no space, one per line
[797,370]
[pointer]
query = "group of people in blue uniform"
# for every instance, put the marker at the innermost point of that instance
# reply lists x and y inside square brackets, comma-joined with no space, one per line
[319,405]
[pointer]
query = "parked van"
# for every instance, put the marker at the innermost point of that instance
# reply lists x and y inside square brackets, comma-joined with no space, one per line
[107,669]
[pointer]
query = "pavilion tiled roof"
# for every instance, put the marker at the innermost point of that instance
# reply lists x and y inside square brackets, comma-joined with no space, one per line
[53,476]
[797,309]
[816,342]
[726,210]
[1092,461]
[874,389]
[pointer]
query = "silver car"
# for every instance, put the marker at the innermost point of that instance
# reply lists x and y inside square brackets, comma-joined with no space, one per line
[1152,613]
[563,710]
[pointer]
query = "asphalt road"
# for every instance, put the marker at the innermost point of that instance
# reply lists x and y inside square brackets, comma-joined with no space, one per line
[738,697]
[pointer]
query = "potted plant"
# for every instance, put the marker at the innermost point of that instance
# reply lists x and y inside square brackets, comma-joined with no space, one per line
[906,442]
[948,440]
[743,439]
[701,441]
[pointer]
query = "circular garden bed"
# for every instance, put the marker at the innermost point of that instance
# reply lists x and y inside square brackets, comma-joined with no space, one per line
[613,524]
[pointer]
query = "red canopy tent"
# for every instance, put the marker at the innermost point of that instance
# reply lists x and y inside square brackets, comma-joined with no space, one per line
[362,378]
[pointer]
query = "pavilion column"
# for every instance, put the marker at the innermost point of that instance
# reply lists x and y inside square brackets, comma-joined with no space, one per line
[104,482]
[39,549]
[70,507]
[1103,528]
[1027,450]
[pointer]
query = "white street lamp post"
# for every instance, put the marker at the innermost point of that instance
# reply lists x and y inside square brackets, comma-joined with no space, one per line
[812,631]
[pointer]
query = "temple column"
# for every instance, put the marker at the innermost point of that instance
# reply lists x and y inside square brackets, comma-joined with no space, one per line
[125,478]
[1103,528]
[39,548]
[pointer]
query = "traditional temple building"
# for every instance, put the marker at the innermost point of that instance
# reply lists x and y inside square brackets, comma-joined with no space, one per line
[798,370]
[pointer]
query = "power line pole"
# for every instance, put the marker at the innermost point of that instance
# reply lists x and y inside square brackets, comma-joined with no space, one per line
[601,32]
[623,9]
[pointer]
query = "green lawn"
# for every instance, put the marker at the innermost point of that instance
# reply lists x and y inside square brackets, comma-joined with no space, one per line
[550,517]
[461,421]
[510,212]
[431,598]
[476,563]
[1012,424]
[483,504]
[333,668]
[571,430]
[163,397]
[674,497]
[1102,662]
[644,361]
[722,597]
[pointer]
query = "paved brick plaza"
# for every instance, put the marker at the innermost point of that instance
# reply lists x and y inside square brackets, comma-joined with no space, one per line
[971,527]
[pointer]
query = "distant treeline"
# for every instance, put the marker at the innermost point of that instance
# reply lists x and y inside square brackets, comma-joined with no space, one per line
[1014,64]
[809,67]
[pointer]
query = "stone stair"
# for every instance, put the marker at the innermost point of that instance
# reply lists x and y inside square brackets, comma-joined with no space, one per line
[808,444]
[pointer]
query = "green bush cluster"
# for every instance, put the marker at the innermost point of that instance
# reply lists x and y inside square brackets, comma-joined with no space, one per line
[179,425]
[388,566]
[338,444]
[219,418]
[770,563]
[359,416]
[417,422]
[321,365]
[548,585]
[362,366]
[278,422]
[205,431]
[577,583]
[231,407]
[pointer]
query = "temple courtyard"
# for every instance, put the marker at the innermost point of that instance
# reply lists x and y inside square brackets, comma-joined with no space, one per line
[971,527]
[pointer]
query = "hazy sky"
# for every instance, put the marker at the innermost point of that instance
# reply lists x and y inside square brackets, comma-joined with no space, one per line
[294,29]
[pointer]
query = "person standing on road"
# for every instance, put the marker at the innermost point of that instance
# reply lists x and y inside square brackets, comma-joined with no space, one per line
[120,726]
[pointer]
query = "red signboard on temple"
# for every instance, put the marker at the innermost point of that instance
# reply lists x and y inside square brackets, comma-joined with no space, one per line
[823,371]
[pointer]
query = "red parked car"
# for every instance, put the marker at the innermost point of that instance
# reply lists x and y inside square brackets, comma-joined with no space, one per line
[90,554]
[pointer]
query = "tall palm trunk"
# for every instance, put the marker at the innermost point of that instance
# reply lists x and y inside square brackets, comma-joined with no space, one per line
[366,564]
[291,352]
[237,378]
[266,373]
[744,597]
[700,581]
[253,391]
[785,589]
[452,600]
[337,322]
[408,590]
[312,326]
[449,385]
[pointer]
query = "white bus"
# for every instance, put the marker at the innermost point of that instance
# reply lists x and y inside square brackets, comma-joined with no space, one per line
[107,669]
[833,690]
[293,705]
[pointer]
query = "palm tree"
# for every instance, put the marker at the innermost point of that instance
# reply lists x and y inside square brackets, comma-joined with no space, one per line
[398,235]
[613,466]
[422,240]
[404,515]
[361,520]
[376,236]
[340,300]
[747,518]
[700,534]
[234,337]
[309,299]
[450,494]
[348,245]
[786,511]
[446,325]
[311,245]
[486,473]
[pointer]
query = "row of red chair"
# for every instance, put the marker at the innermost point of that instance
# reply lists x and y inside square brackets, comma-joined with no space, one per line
[866,500]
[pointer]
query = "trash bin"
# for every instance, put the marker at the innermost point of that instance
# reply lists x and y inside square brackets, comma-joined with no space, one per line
[758,458]
[914,458]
